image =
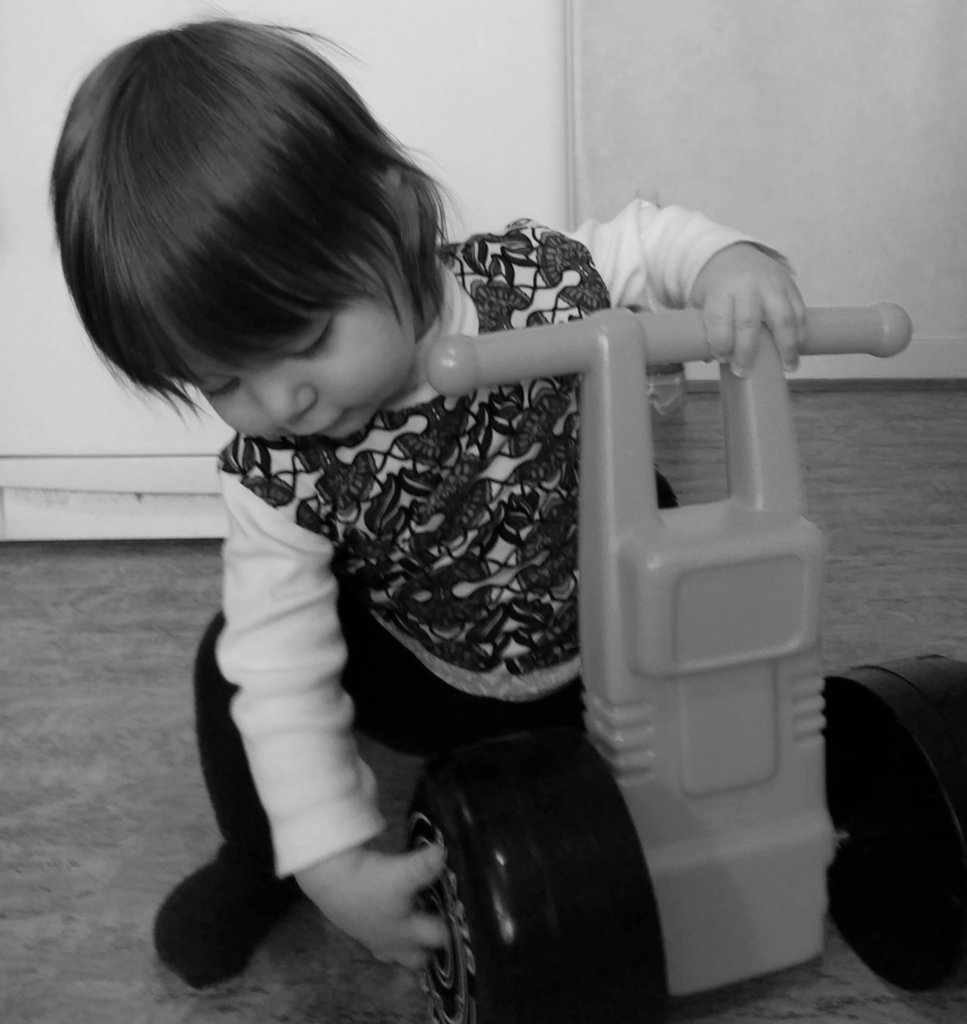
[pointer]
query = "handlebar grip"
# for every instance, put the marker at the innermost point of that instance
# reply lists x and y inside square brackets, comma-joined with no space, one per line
[881,330]
[460,364]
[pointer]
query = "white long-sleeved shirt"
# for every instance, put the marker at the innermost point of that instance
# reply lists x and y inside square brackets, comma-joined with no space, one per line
[282,644]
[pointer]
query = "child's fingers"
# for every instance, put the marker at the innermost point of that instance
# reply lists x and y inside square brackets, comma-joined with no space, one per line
[718,317]
[418,937]
[422,935]
[411,958]
[429,932]
[748,327]
[422,868]
[786,319]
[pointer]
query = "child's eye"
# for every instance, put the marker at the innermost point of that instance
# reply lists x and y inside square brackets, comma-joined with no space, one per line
[222,390]
[316,347]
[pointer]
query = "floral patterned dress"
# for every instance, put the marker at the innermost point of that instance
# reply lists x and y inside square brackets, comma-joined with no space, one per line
[456,519]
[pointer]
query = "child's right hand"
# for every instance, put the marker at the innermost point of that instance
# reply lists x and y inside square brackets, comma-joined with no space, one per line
[372,897]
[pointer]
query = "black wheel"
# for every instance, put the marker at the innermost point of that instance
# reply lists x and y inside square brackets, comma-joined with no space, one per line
[549,905]
[896,780]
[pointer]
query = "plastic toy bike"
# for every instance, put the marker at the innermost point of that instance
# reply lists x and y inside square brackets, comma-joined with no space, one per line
[684,842]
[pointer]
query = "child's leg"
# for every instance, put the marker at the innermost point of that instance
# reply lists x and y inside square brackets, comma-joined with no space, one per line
[209,925]
[666,495]
[401,703]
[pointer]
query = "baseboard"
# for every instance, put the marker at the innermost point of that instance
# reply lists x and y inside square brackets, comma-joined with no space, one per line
[854,384]
[933,359]
[31,514]
[122,474]
[110,498]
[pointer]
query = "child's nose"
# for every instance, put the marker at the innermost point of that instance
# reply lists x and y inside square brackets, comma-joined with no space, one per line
[286,402]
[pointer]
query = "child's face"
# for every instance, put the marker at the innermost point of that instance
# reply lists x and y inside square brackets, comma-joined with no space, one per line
[331,380]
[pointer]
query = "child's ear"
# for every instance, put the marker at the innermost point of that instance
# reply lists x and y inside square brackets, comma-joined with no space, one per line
[398,197]
[405,194]
[405,205]
[401,200]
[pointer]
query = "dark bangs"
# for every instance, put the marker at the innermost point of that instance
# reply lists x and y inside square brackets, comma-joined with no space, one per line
[219,185]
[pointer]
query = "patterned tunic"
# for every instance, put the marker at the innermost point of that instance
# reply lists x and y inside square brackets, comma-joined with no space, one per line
[456,518]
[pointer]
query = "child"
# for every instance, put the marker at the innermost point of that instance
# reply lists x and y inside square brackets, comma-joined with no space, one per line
[231,218]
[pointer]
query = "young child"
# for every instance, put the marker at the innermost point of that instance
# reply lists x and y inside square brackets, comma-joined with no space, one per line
[231,218]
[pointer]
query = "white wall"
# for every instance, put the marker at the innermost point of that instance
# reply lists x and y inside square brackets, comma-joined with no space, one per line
[477,91]
[834,129]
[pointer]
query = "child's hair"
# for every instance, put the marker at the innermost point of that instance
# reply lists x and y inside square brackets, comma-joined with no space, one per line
[218,185]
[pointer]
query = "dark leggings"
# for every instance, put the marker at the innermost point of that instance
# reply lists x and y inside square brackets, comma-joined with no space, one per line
[398,702]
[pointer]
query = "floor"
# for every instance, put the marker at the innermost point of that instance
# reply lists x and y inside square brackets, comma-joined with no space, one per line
[102,808]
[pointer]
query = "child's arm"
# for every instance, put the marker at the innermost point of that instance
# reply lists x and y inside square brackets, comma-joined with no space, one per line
[283,647]
[667,258]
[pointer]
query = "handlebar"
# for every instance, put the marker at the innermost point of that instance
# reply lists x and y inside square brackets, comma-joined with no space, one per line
[460,364]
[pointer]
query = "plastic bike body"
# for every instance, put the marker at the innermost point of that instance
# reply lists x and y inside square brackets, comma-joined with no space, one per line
[699,631]
[701,659]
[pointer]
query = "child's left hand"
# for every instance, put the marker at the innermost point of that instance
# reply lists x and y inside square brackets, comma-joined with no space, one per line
[741,289]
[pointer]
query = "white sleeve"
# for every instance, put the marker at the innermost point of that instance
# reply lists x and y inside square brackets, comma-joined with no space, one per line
[282,646]
[649,256]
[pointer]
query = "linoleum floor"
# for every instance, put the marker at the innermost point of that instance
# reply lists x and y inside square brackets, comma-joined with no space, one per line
[102,808]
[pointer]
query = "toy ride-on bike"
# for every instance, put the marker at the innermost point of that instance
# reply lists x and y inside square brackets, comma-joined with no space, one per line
[684,842]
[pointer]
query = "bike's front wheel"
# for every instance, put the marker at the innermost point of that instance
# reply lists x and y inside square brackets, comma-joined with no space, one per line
[549,906]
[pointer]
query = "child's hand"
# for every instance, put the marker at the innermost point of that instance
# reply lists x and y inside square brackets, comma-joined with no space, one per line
[372,897]
[739,290]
